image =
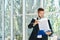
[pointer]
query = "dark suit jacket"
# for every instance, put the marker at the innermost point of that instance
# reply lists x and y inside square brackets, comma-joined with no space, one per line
[35,31]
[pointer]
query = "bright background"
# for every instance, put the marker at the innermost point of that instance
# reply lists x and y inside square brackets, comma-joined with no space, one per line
[15,15]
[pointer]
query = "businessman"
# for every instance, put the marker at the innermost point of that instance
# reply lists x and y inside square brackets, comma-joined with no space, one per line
[34,24]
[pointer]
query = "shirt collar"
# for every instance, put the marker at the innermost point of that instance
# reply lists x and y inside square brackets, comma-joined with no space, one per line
[38,18]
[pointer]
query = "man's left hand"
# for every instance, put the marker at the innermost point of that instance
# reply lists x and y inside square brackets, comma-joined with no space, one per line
[48,33]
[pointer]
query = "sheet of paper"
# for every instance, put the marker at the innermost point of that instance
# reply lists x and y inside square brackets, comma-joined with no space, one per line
[39,36]
[43,24]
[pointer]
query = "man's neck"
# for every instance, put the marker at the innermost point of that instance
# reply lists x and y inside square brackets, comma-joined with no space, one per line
[40,17]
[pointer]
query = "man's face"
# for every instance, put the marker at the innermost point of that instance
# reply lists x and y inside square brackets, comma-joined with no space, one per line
[41,14]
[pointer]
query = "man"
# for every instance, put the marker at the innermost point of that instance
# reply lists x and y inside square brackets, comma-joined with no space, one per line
[34,24]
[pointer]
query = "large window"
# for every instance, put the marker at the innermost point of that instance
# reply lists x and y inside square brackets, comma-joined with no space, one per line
[15,15]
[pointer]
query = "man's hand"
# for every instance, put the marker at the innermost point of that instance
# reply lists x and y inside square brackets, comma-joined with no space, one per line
[48,33]
[36,22]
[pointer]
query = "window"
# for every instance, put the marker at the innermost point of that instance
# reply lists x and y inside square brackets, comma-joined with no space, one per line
[15,15]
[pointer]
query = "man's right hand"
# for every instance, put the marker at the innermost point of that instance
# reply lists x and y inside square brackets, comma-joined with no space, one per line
[36,22]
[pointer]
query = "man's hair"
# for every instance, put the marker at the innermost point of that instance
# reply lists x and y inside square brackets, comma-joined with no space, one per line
[40,9]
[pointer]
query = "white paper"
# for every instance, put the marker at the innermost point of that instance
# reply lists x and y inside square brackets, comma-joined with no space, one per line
[43,24]
[39,36]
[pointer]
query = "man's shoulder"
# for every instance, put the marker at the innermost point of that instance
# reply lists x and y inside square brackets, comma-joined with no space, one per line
[33,19]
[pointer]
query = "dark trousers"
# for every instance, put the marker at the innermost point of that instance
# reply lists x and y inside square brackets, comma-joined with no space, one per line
[38,38]
[43,38]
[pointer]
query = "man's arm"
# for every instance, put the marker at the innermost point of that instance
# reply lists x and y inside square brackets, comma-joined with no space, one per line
[50,27]
[49,33]
[33,23]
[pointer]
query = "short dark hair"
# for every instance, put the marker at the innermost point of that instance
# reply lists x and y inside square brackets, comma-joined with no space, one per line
[40,9]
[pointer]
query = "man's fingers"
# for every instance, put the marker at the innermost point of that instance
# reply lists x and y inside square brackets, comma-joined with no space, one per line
[48,33]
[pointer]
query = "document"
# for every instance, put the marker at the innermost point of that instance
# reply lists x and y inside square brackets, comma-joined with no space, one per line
[43,24]
[39,36]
